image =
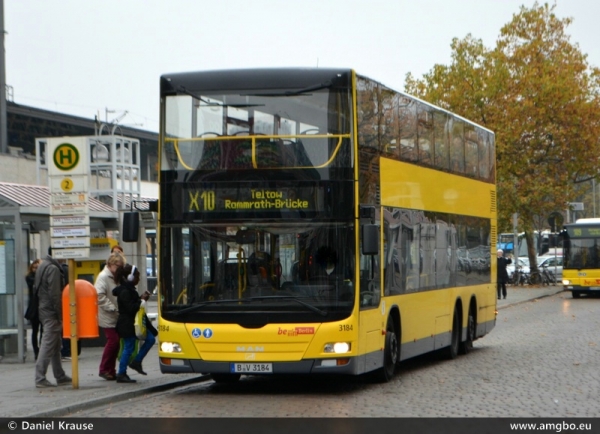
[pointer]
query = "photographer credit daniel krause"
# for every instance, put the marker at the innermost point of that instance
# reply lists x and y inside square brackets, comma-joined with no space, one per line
[52,425]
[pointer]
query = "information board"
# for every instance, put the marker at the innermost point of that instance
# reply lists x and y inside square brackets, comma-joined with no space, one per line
[68,171]
[7,266]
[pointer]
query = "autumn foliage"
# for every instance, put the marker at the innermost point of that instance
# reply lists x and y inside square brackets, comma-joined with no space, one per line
[536,91]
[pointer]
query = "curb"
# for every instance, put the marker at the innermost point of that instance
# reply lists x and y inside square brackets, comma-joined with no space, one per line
[516,303]
[95,402]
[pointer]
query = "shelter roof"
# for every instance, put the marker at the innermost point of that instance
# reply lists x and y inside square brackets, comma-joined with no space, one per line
[38,197]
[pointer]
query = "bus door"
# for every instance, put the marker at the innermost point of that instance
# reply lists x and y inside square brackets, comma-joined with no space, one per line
[370,316]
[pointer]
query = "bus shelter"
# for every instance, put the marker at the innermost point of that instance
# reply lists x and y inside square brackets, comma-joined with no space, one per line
[25,236]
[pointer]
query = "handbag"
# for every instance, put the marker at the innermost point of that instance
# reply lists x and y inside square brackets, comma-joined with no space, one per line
[140,322]
[32,310]
[34,303]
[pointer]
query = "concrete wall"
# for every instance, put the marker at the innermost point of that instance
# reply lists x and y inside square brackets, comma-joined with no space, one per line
[20,170]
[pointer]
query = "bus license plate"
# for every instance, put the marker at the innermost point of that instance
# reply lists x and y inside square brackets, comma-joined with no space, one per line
[251,368]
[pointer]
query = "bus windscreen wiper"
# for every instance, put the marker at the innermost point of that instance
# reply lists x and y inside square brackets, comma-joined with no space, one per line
[287,297]
[182,89]
[199,306]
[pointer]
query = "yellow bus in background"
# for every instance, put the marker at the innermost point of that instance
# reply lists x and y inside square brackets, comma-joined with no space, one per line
[581,257]
[314,221]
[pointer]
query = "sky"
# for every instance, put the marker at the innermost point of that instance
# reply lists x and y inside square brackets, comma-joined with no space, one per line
[105,58]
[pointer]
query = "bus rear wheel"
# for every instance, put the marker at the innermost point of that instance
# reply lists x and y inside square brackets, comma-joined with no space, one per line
[452,349]
[467,345]
[391,353]
[225,378]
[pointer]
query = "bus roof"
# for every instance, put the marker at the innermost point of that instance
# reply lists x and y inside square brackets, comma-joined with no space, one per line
[273,78]
[259,78]
[587,221]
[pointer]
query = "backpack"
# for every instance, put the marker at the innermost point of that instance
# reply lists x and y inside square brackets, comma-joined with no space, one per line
[32,312]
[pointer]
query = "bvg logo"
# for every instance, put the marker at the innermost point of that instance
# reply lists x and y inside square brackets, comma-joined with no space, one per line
[66,156]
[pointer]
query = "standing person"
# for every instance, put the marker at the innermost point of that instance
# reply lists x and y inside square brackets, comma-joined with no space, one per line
[49,283]
[118,249]
[129,302]
[32,311]
[502,273]
[108,314]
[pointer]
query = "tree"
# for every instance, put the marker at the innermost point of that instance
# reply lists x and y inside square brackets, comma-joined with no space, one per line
[536,91]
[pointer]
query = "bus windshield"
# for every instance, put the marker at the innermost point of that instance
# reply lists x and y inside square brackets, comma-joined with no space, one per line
[246,129]
[249,274]
[581,248]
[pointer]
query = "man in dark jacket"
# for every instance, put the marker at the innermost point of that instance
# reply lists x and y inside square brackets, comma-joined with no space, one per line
[49,283]
[502,273]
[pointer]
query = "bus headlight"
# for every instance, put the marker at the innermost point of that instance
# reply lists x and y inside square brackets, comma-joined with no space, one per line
[566,282]
[170,347]
[337,347]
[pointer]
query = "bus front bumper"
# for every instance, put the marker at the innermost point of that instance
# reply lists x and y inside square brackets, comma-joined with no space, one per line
[316,366]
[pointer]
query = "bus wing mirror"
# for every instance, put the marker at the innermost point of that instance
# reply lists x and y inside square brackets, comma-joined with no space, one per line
[131,227]
[153,205]
[370,239]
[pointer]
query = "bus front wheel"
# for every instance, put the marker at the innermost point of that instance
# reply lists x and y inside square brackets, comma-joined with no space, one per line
[391,353]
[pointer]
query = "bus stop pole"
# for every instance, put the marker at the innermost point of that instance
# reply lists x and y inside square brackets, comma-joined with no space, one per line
[73,325]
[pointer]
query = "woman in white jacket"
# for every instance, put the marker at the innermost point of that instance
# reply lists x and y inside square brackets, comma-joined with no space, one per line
[108,313]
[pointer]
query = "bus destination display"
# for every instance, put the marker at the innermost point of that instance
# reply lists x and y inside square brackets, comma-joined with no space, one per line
[247,199]
[584,231]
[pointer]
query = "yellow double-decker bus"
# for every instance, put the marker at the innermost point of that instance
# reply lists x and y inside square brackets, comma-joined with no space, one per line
[314,221]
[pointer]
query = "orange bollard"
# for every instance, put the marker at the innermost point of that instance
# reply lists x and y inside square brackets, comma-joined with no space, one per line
[87,310]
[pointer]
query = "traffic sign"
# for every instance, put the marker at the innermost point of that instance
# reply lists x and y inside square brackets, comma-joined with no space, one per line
[69,184]
[71,253]
[71,220]
[68,169]
[67,156]
[81,231]
[555,220]
[70,210]
[68,198]
[65,243]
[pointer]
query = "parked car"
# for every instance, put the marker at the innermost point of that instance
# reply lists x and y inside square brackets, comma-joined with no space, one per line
[523,263]
[554,264]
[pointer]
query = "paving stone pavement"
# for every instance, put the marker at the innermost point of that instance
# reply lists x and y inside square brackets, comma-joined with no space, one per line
[20,398]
